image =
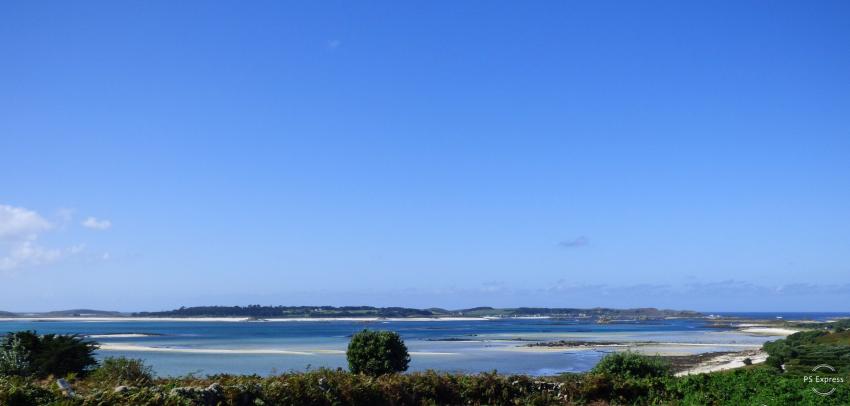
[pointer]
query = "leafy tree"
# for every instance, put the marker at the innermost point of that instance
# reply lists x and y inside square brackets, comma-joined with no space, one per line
[377,353]
[632,365]
[50,354]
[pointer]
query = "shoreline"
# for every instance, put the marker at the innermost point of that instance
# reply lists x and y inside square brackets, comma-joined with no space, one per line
[767,331]
[723,362]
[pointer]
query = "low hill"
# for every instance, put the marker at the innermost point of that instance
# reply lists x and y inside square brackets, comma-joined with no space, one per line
[402,312]
[801,352]
[77,313]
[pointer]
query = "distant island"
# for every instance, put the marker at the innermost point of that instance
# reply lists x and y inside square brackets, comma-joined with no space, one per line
[257,311]
[600,314]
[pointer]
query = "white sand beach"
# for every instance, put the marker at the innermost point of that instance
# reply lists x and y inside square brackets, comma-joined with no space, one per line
[768,331]
[726,361]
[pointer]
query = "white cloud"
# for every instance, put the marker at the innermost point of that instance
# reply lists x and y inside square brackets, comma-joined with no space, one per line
[17,223]
[28,253]
[19,232]
[96,224]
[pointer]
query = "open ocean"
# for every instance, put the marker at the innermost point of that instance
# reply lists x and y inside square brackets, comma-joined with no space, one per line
[242,347]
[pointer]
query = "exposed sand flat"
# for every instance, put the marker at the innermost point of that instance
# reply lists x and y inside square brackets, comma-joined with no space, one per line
[112,319]
[649,348]
[689,349]
[430,353]
[769,331]
[727,361]
[121,335]
[143,348]
[259,351]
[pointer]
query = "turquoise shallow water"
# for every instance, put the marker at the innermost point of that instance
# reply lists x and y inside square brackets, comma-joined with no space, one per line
[206,347]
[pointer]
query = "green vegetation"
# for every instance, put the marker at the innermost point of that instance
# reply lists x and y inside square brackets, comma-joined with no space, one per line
[800,352]
[837,326]
[632,365]
[26,353]
[377,353]
[123,371]
[747,386]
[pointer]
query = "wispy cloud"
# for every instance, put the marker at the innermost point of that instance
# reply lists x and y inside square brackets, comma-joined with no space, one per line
[19,232]
[17,223]
[333,43]
[579,241]
[96,224]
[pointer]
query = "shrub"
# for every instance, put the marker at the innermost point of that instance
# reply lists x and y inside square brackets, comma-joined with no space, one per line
[123,371]
[18,391]
[50,354]
[632,365]
[748,361]
[377,353]
[14,357]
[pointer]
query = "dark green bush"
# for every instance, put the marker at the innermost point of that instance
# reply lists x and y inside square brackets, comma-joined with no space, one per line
[18,391]
[50,354]
[800,352]
[377,353]
[756,385]
[122,371]
[632,365]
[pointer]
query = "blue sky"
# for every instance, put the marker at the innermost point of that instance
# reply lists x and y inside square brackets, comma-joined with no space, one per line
[670,154]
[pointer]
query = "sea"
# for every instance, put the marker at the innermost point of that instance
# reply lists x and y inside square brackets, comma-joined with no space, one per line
[176,347]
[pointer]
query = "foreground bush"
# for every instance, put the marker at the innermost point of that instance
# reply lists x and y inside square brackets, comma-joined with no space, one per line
[328,387]
[629,364]
[26,353]
[122,371]
[377,353]
[19,391]
[14,357]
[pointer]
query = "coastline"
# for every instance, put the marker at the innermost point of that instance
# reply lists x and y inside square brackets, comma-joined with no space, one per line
[725,362]
[249,319]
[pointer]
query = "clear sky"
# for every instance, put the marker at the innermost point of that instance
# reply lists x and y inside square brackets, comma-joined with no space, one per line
[693,155]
